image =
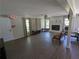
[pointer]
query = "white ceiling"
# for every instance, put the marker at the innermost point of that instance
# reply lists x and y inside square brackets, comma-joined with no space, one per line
[32,7]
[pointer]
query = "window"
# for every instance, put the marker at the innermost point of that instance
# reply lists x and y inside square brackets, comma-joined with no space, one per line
[27,25]
[47,23]
[66,22]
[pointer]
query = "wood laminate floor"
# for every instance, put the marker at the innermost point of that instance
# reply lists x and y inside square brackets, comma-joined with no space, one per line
[40,46]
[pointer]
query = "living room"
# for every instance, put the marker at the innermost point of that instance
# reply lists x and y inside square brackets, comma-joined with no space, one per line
[39,29]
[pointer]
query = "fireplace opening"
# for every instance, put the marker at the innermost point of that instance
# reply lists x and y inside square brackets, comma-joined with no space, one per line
[56,27]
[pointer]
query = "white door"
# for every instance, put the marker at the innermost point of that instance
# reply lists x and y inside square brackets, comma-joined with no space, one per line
[5,24]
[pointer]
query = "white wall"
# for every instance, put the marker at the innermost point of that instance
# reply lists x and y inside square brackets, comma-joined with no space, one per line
[18,30]
[75,24]
[5,29]
[56,20]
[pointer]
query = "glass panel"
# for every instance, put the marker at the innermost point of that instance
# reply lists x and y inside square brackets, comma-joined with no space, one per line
[27,25]
[42,23]
[47,23]
[66,22]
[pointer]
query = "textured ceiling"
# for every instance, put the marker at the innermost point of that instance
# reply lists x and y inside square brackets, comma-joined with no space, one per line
[31,7]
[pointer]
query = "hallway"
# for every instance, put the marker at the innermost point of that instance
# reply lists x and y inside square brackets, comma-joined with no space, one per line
[40,46]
